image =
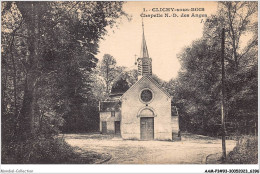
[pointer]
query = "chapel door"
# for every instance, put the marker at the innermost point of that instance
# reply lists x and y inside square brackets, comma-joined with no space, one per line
[117,127]
[104,127]
[147,128]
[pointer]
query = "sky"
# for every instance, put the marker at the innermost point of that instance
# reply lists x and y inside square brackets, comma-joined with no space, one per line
[165,36]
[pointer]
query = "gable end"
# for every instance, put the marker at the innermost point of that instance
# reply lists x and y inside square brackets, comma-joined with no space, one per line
[152,81]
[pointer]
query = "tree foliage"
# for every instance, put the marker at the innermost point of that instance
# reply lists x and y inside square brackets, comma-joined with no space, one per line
[48,60]
[108,73]
[197,90]
[108,70]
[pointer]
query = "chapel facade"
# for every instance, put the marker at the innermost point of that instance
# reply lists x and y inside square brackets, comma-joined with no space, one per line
[142,111]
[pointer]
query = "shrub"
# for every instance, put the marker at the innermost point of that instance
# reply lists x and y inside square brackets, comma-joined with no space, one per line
[39,151]
[245,152]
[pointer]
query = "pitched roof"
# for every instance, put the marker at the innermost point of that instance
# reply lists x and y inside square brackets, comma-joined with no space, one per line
[152,81]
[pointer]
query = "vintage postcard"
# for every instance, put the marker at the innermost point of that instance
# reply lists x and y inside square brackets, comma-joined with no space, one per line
[91,83]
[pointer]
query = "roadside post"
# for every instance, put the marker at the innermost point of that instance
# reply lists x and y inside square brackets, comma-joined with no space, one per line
[223,96]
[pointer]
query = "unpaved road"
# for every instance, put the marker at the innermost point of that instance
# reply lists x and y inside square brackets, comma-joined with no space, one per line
[193,149]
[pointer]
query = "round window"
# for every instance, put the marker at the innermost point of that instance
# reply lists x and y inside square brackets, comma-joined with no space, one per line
[146,95]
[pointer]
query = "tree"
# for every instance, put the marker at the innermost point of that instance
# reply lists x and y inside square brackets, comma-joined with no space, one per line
[99,89]
[108,69]
[198,86]
[240,22]
[49,51]
[127,74]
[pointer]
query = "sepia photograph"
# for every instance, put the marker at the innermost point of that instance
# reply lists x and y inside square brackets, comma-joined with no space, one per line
[136,83]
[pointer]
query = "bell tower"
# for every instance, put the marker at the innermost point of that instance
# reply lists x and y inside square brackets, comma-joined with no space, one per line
[144,61]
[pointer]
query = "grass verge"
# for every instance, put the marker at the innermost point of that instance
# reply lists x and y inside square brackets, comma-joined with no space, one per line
[48,151]
[245,152]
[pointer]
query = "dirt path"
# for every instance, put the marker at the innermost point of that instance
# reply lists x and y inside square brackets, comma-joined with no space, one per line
[193,149]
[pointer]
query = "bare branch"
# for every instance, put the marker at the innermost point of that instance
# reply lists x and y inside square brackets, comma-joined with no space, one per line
[249,47]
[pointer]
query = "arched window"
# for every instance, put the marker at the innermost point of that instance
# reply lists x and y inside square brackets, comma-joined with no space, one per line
[146,113]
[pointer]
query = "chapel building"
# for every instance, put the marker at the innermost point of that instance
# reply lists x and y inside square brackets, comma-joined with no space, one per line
[142,111]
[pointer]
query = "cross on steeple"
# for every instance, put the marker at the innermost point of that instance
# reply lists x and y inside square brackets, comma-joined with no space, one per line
[143,24]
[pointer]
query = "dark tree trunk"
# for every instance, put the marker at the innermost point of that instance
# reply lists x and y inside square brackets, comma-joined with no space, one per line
[25,118]
[30,12]
[14,75]
[3,92]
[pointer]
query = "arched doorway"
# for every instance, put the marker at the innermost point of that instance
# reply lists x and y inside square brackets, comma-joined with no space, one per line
[147,124]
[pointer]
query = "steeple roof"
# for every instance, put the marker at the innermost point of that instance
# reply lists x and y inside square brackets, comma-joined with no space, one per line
[144,50]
